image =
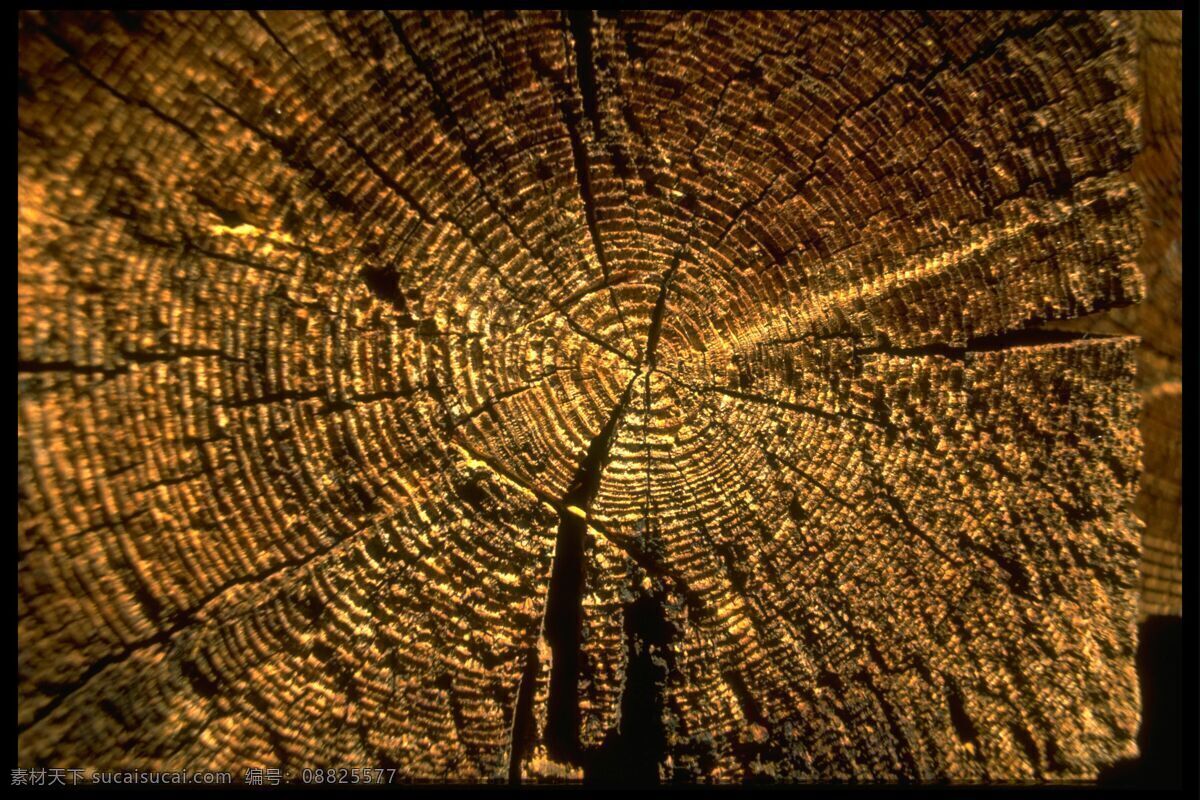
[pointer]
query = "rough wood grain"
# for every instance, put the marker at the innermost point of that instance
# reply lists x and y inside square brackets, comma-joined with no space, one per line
[536,396]
[1159,319]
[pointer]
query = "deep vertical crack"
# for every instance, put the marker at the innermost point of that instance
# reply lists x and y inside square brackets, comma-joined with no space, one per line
[585,76]
[564,597]
[631,753]
[581,34]
[522,725]
[563,615]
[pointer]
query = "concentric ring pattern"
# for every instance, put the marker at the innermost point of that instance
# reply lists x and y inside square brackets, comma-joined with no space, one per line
[519,395]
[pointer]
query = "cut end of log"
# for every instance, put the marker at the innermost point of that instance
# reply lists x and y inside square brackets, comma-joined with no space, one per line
[534,397]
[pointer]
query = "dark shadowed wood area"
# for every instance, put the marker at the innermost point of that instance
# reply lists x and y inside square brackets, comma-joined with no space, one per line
[568,396]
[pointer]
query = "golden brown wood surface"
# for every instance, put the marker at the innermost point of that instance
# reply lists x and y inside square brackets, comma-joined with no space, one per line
[1159,319]
[537,396]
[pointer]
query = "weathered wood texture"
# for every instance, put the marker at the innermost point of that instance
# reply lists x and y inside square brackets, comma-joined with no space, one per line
[536,396]
[1159,319]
